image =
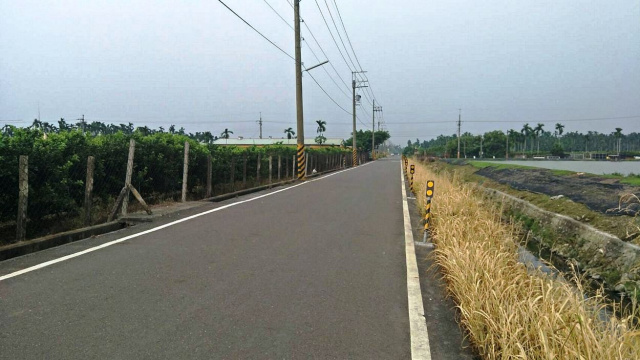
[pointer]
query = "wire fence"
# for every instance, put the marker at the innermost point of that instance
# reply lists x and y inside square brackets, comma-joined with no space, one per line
[70,182]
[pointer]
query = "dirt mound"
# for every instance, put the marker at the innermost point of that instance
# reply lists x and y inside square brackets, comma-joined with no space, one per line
[598,193]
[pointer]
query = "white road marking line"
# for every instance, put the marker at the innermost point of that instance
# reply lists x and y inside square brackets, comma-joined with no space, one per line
[420,348]
[79,253]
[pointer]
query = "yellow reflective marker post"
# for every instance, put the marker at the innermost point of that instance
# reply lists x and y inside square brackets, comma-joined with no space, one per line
[413,170]
[406,161]
[427,210]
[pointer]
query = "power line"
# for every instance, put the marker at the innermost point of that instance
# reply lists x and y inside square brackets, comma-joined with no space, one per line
[340,36]
[322,50]
[280,16]
[321,88]
[284,52]
[332,37]
[254,29]
[351,45]
[517,121]
[309,47]
[346,33]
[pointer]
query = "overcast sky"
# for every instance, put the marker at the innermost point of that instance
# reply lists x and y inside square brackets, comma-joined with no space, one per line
[195,64]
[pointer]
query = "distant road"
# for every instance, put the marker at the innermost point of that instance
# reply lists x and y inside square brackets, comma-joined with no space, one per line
[312,271]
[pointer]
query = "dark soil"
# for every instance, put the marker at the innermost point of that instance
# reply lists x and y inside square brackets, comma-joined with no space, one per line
[597,193]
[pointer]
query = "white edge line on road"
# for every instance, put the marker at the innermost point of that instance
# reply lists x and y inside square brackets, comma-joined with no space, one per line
[79,253]
[420,348]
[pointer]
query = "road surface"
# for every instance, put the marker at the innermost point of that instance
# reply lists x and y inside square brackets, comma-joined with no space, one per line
[316,270]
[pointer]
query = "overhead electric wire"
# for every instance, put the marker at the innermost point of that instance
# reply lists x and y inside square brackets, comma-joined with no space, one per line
[314,79]
[340,36]
[321,49]
[309,47]
[254,29]
[280,16]
[332,37]
[351,45]
[321,88]
[514,121]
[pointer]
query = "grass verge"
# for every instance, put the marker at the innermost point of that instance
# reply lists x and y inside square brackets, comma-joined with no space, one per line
[508,312]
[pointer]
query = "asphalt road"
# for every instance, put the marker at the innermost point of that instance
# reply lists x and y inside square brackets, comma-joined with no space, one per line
[312,271]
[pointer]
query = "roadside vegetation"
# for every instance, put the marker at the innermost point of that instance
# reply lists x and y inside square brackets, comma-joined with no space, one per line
[508,311]
[529,141]
[58,166]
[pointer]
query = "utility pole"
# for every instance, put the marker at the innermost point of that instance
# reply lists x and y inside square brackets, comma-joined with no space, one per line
[82,119]
[373,131]
[354,86]
[459,122]
[373,143]
[299,112]
[260,122]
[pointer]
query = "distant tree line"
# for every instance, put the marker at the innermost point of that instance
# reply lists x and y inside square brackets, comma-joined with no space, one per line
[529,141]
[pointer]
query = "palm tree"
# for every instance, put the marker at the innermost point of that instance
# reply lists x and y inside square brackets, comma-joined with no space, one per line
[526,131]
[559,129]
[321,126]
[618,135]
[290,133]
[225,133]
[538,130]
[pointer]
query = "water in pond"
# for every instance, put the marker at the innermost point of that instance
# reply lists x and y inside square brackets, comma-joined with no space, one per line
[592,166]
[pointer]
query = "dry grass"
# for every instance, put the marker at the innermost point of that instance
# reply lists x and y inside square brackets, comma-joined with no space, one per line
[508,312]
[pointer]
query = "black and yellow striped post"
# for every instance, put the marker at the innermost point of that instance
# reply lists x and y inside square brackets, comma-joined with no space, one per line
[427,209]
[355,158]
[406,162]
[301,162]
[413,170]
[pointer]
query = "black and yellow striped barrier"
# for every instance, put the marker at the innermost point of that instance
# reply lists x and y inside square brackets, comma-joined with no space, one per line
[301,162]
[427,209]
[406,162]
[413,170]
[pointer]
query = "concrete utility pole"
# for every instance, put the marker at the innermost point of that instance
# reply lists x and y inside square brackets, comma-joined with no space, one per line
[373,143]
[81,119]
[260,122]
[459,122]
[354,86]
[299,112]
[373,131]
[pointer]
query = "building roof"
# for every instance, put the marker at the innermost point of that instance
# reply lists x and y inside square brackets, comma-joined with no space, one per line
[263,142]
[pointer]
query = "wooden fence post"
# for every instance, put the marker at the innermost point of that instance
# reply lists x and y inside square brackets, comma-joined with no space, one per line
[233,174]
[306,164]
[209,171]
[127,180]
[258,171]
[270,168]
[279,166]
[293,167]
[23,195]
[244,171]
[185,171]
[88,190]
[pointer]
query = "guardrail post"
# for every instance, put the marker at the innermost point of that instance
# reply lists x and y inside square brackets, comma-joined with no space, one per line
[413,170]
[427,209]
[185,171]
[23,195]
[88,190]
